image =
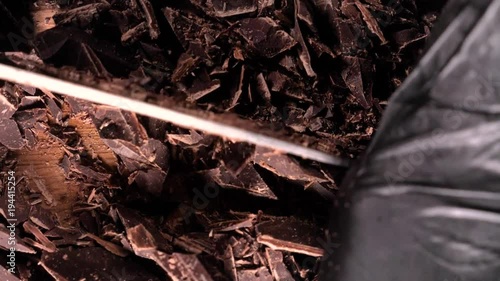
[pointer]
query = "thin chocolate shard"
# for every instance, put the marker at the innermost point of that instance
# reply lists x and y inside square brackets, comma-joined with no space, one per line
[190,139]
[64,236]
[111,247]
[134,34]
[277,266]
[261,274]
[27,101]
[292,235]
[41,217]
[406,37]
[33,229]
[248,180]
[20,245]
[265,36]
[228,8]
[149,14]
[93,263]
[202,88]
[229,263]
[94,64]
[304,56]
[371,22]
[185,65]
[304,14]
[239,89]
[82,16]
[190,245]
[262,88]
[246,223]
[126,149]
[142,241]
[353,79]
[130,219]
[285,166]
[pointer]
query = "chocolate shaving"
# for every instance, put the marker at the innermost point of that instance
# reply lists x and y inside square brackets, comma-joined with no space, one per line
[292,235]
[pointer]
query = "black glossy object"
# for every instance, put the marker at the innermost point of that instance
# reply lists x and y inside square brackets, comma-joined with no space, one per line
[426,196]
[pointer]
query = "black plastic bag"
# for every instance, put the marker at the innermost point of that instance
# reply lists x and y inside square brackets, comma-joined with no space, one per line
[426,196]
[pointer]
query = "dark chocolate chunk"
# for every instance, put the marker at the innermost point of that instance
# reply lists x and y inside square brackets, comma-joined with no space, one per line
[278,268]
[265,36]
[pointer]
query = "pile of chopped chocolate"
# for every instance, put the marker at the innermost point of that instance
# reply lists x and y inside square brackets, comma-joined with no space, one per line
[104,194]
